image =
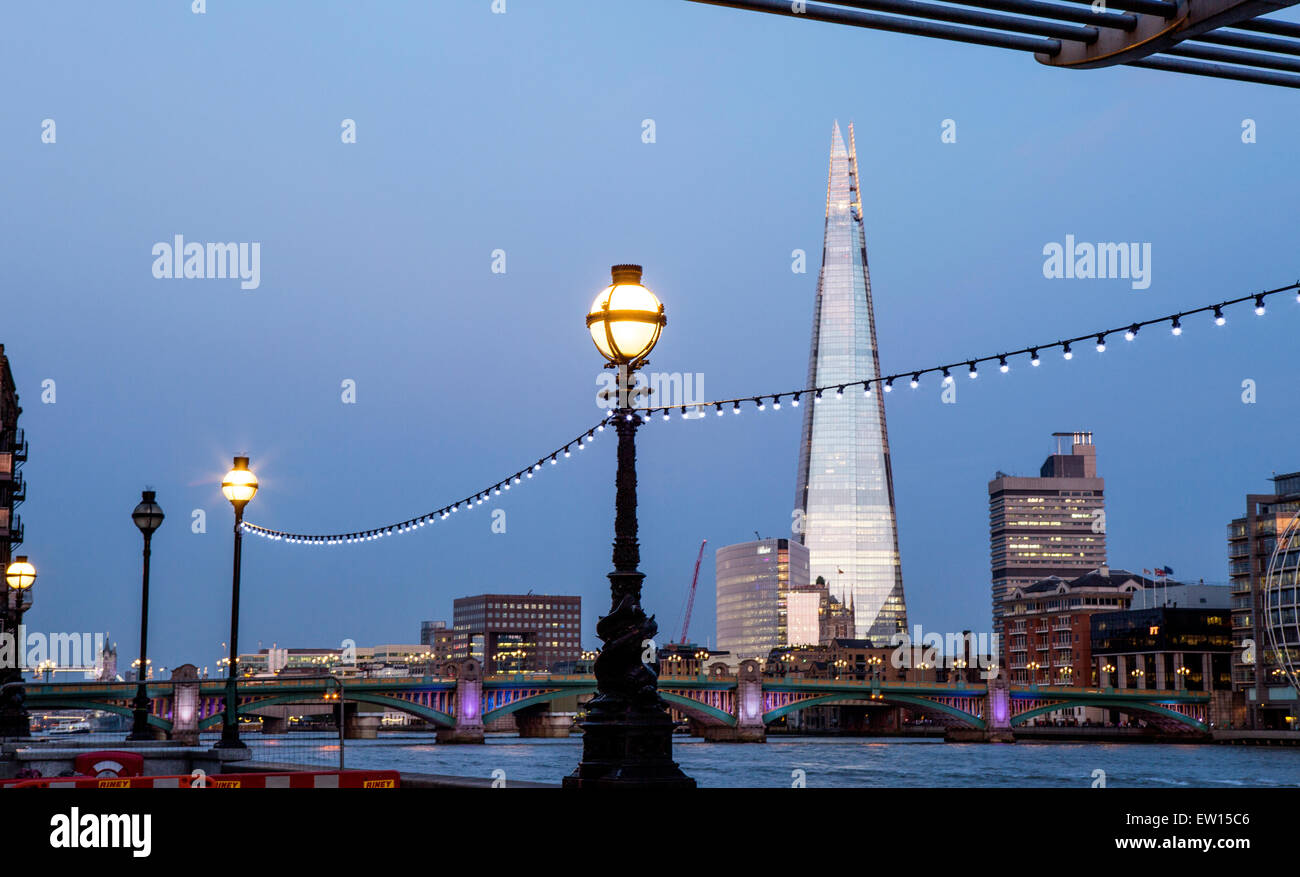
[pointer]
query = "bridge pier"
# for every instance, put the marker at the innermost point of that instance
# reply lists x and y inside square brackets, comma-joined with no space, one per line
[543,724]
[275,725]
[997,718]
[361,726]
[469,703]
[749,726]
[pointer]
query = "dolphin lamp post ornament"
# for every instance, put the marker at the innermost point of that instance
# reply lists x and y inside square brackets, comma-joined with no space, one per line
[239,486]
[627,737]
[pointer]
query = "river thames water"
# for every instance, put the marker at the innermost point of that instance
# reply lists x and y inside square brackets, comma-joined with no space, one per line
[827,762]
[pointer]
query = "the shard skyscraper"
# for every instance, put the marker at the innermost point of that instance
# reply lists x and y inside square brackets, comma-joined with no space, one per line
[845,485]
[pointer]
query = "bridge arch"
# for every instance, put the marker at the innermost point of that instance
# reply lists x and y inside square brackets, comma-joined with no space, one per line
[533,700]
[436,717]
[919,704]
[58,703]
[1161,713]
[709,715]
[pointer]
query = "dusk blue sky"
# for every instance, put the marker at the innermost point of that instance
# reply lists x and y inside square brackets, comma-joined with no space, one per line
[522,132]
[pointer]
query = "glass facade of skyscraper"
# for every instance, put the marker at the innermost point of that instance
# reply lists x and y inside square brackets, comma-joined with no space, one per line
[753,584]
[845,487]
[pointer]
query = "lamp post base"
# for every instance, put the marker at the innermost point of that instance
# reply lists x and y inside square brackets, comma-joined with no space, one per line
[625,748]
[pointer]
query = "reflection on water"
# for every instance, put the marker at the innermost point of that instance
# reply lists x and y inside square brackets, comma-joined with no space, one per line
[825,762]
[879,762]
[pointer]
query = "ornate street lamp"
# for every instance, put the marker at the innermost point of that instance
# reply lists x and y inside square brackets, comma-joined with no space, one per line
[239,486]
[627,735]
[148,516]
[14,720]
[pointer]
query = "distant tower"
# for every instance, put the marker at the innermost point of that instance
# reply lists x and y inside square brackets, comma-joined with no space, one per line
[845,487]
[1052,525]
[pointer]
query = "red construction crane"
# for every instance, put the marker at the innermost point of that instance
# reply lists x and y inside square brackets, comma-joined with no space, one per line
[690,599]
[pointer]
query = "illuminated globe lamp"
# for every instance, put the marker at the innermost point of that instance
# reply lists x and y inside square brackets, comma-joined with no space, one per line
[239,486]
[627,735]
[626,318]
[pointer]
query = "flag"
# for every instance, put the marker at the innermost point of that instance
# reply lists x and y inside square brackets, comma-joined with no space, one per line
[1146,572]
[1167,571]
[841,572]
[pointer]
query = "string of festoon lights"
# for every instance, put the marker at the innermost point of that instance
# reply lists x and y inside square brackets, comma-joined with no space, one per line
[1004,360]
[410,525]
[761,401]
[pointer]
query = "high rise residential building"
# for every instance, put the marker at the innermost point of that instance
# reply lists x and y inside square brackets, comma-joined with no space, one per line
[1052,525]
[13,452]
[1252,544]
[517,633]
[844,486]
[754,580]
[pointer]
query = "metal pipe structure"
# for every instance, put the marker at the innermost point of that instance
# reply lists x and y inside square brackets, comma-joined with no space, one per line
[1152,34]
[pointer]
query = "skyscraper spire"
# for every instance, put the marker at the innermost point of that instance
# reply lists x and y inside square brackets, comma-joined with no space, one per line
[845,486]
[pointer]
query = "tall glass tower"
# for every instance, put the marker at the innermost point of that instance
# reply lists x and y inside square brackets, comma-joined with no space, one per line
[845,485]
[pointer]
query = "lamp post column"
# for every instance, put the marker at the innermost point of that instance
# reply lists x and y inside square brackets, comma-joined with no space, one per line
[230,718]
[140,723]
[627,737]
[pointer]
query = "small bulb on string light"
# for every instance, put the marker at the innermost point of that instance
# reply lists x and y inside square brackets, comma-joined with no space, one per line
[866,389]
[817,397]
[889,385]
[839,392]
[759,404]
[719,407]
[735,408]
[916,380]
[1259,305]
[973,373]
[947,378]
[1101,343]
[794,401]
[683,412]
[1131,333]
[776,403]
[566,452]
[667,416]
[1067,353]
[553,460]
[1219,319]
[1033,357]
[1002,365]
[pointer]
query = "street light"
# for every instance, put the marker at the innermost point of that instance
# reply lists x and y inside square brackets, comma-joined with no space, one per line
[14,720]
[239,486]
[627,734]
[148,516]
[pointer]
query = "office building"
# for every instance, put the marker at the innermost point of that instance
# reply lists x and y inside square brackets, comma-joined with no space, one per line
[816,616]
[517,633]
[754,580]
[1052,525]
[1264,608]
[1164,648]
[438,638]
[844,486]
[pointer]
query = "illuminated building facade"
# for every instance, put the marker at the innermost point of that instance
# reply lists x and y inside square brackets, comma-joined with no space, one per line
[754,580]
[844,485]
[1052,525]
[517,633]
[1252,542]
